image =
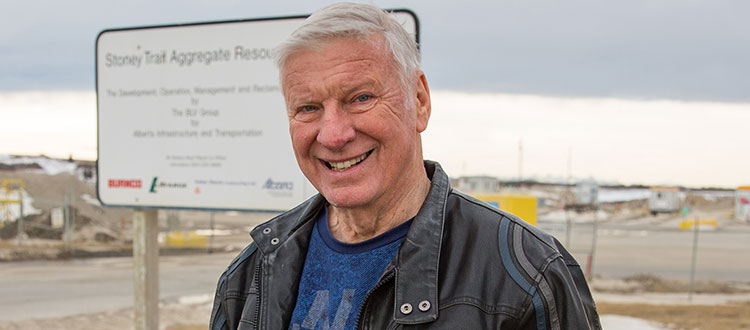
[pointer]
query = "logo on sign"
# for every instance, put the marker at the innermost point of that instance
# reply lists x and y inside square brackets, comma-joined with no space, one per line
[158,185]
[278,185]
[124,183]
[278,188]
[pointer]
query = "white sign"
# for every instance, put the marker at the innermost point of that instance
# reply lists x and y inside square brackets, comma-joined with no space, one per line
[57,217]
[192,116]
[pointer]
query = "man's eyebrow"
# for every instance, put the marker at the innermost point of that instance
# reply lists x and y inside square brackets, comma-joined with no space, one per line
[359,84]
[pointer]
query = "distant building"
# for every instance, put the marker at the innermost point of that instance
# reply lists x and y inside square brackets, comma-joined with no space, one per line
[742,203]
[587,193]
[664,200]
[86,170]
[478,184]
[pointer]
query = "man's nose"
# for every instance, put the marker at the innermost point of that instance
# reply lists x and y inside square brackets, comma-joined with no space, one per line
[336,128]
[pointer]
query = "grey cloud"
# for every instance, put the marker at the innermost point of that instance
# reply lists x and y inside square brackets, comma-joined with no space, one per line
[689,50]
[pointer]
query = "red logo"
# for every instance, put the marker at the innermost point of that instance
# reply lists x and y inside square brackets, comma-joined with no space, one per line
[119,183]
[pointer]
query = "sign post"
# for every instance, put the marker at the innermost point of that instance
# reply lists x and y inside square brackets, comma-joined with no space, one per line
[146,269]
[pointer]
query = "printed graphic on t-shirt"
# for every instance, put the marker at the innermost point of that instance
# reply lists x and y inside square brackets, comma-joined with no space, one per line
[337,277]
[317,317]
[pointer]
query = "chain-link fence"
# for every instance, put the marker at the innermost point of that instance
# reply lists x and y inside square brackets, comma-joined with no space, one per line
[694,254]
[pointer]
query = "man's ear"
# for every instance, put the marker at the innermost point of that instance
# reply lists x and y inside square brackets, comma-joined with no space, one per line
[424,107]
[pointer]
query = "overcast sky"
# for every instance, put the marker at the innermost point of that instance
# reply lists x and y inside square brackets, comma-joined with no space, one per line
[673,49]
[641,91]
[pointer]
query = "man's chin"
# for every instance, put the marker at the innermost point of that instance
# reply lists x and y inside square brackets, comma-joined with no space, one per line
[347,198]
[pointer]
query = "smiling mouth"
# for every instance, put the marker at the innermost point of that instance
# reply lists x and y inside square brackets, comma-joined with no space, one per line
[340,166]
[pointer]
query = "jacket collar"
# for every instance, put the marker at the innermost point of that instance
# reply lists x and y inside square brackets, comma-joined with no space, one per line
[419,256]
[418,259]
[275,232]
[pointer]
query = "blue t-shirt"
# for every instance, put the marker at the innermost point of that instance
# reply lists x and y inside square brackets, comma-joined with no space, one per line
[337,276]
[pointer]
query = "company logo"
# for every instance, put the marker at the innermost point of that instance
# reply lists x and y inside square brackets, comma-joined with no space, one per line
[124,183]
[158,185]
[278,188]
[278,185]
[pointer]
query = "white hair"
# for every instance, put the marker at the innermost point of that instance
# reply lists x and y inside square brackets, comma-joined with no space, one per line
[359,21]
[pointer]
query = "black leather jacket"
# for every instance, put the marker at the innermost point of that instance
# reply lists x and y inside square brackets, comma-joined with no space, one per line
[463,265]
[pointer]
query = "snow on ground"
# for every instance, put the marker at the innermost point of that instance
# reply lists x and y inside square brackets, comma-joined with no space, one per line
[13,209]
[196,299]
[713,195]
[657,298]
[91,200]
[618,322]
[561,216]
[622,195]
[49,166]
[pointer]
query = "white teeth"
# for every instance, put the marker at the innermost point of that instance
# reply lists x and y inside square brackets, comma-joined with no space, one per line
[340,166]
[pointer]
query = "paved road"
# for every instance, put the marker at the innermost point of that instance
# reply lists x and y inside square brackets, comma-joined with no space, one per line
[60,288]
[722,255]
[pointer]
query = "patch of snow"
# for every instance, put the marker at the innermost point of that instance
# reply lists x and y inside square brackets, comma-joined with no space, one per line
[622,195]
[216,232]
[714,195]
[90,199]
[554,216]
[544,194]
[619,322]
[14,210]
[49,166]
[195,299]
[561,216]
[679,298]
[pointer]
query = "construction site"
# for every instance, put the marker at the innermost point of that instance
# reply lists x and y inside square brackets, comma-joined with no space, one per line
[673,256]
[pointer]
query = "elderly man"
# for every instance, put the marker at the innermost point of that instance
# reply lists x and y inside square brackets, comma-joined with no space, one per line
[387,244]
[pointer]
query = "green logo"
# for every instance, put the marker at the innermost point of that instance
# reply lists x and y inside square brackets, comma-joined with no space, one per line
[153,185]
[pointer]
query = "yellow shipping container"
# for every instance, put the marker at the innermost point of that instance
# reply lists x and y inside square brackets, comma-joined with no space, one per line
[523,206]
[185,240]
[689,224]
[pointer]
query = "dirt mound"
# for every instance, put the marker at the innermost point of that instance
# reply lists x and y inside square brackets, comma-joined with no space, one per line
[722,317]
[91,222]
[653,283]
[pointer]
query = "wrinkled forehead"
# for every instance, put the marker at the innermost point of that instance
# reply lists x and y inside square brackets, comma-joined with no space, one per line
[365,45]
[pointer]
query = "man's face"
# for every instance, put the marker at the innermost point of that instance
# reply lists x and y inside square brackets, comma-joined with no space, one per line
[354,128]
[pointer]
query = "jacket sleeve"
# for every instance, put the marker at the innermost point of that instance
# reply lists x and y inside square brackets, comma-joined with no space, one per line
[559,297]
[572,298]
[581,288]
[561,300]
[218,316]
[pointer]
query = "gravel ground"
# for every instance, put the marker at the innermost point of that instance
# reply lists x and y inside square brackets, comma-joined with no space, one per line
[192,313]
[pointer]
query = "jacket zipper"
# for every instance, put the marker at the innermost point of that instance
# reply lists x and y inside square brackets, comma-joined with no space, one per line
[365,302]
[256,317]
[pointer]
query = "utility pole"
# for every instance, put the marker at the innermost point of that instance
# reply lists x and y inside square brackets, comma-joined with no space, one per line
[570,163]
[694,259]
[520,161]
[568,196]
[68,216]
[211,238]
[594,235]
[21,232]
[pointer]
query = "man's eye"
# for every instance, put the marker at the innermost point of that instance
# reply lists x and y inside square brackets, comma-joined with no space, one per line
[307,108]
[363,98]
[307,113]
